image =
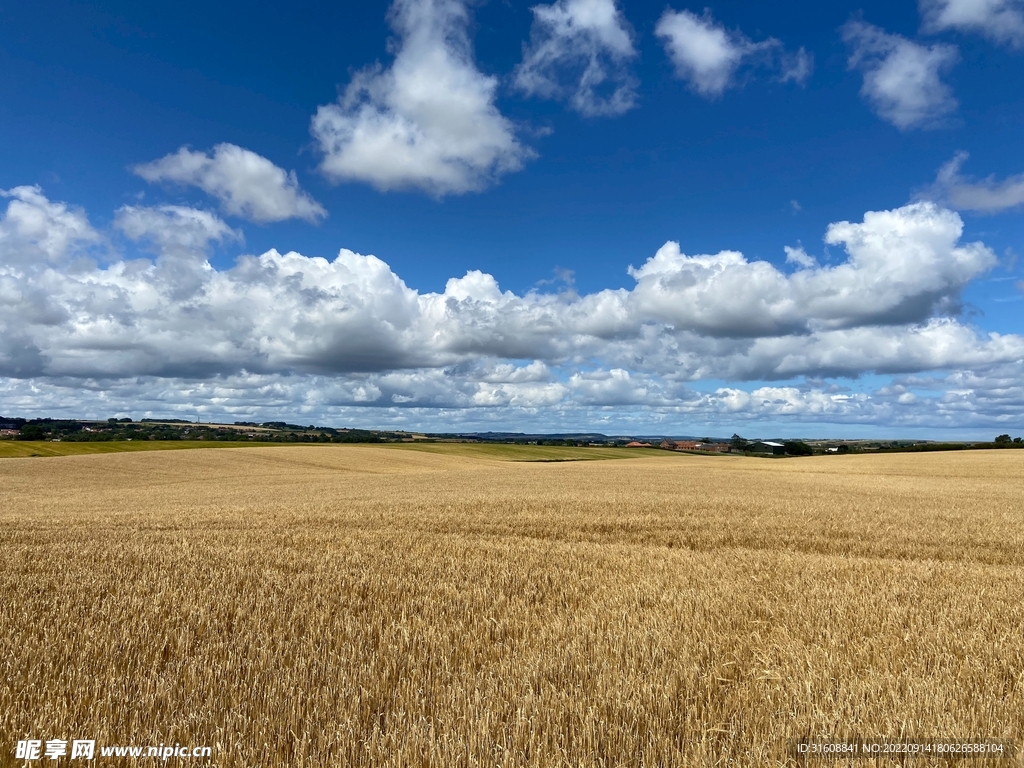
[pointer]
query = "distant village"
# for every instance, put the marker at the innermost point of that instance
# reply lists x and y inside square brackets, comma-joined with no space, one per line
[769,447]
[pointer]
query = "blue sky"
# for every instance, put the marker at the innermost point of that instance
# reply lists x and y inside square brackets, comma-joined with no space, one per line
[546,149]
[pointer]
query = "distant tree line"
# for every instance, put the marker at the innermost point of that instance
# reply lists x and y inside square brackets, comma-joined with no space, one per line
[67,430]
[72,430]
[799,448]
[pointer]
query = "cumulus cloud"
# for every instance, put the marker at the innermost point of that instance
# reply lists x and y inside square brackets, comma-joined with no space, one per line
[246,184]
[999,20]
[886,308]
[325,339]
[34,228]
[902,266]
[966,194]
[580,50]
[800,257]
[938,344]
[708,56]
[173,228]
[902,79]
[182,238]
[428,121]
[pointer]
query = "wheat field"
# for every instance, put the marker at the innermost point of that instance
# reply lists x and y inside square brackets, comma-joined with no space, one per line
[366,606]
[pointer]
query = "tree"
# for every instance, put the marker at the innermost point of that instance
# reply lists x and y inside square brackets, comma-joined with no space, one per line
[737,442]
[798,448]
[1003,439]
[31,432]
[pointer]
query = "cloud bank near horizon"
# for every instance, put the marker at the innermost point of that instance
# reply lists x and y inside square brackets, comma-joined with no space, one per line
[291,331]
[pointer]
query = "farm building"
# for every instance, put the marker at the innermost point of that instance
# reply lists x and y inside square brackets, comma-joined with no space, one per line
[767,446]
[694,445]
[717,447]
[680,445]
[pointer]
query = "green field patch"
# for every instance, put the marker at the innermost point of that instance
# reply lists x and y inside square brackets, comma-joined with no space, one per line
[513,452]
[13,449]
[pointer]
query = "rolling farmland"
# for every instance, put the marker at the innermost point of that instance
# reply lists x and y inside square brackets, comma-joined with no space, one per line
[43,449]
[441,606]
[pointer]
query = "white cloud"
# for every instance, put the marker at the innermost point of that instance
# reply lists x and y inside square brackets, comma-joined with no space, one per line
[800,257]
[32,227]
[902,79]
[588,42]
[986,402]
[247,184]
[697,316]
[327,337]
[173,228]
[999,20]
[614,388]
[902,266]
[965,194]
[708,56]
[429,121]
[181,237]
[704,53]
[939,344]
